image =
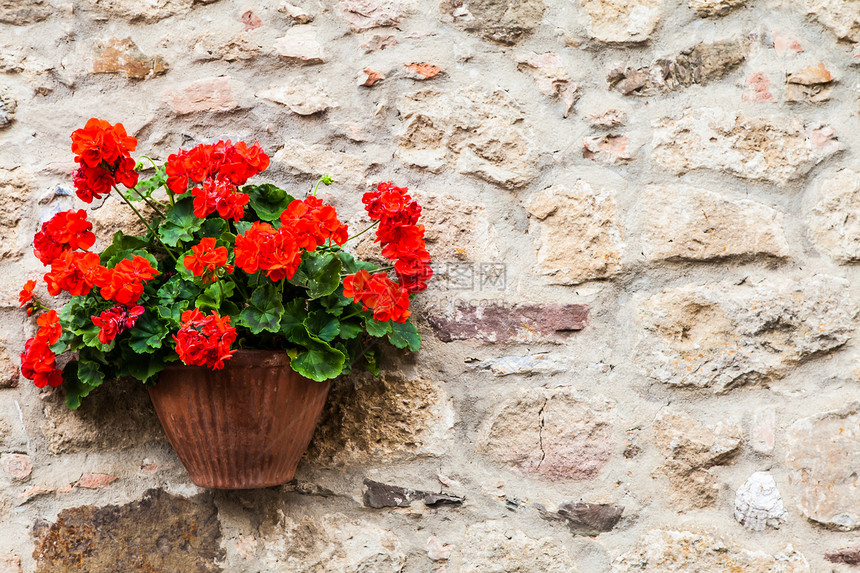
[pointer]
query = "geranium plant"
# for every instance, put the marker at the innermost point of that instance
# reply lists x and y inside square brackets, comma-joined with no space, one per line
[223,265]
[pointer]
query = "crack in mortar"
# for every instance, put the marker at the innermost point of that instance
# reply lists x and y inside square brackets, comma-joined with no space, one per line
[540,431]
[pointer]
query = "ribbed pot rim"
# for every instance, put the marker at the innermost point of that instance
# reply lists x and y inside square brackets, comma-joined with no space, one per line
[244,359]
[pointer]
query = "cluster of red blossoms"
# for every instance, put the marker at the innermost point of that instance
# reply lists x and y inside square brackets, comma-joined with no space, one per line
[219,169]
[204,340]
[116,320]
[205,260]
[402,242]
[305,224]
[103,152]
[38,361]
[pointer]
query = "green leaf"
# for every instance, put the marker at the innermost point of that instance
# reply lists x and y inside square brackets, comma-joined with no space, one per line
[405,334]
[377,328]
[177,289]
[147,334]
[130,254]
[141,366]
[371,361]
[146,187]
[322,325]
[352,266]
[292,322]
[90,337]
[75,387]
[319,273]
[180,224]
[214,228]
[121,243]
[214,295]
[242,227]
[89,373]
[171,313]
[264,310]
[335,303]
[318,361]
[267,200]
[349,330]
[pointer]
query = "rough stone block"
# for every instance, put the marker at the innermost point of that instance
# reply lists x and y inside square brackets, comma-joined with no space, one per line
[842,17]
[501,21]
[721,336]
[688,223]
[580,233]
[834,222]
[301,45]
[366,14]
[553,433]
[494,547]
[205,95]
[621,21]
[316,160]
[715,7]
[123,56]
[24,12]
[502,323]
[778,149]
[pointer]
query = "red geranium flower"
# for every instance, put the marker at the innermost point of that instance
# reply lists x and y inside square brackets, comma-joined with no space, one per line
[207,259]
[38,363]
[26,294]
[100,141]
[49,327]
[204,340]
[125,282]
[67,230]
[116,320]
[74,272]
[388,300]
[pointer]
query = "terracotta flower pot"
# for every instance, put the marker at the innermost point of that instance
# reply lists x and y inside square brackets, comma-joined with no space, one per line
[242,427]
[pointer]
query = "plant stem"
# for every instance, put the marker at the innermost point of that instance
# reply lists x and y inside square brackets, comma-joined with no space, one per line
[142,220]
[361,233]
[150,203]
[314,193]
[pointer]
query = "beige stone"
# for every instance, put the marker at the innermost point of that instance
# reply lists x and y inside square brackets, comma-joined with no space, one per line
[722,335]
[9,563]
[823,453]
[205,95]
[213,47]
[24,12]
[301,45]
[501,21]
[842,17]
[778,149]
[495,547]
[475,133]
[16,188]
[333,543]
[687,223]
[301,95]
[553,433]
[813,84]
[17,466]
[366,14]
[580,233]
[123,56]
[552,78]
[661,551]
[691,449]
[622,20]
[148,11]
[608,148]
[8,369]
[316,160]
[834,221]
[381,420]
[8,107]
[715,7]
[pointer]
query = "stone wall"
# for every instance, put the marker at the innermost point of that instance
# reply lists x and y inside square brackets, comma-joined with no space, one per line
[639,349]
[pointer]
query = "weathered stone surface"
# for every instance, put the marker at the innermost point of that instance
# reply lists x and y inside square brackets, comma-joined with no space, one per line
[213,47]
[301,45]
[10,564]
[301,95]
[16,189]
[379,495]
[525,365]
[585,518]
[371,76]
[714,7]
[813,84]
[123,56]
[842,17]
[501,21]
[494,547]
[608,119]
[333,543]
[763,431]
[779,149]
[478,134]
[758,89]
[698,65]
[456,229]
[116,416]
[366,14]
[206,95]
[554,433]
[23,12]
[250,20]
[687,223]
[721,336]
[8,370]
[606,148]
[823,452]
[497,322]
[381,420]
[298,14]
[315,160]
[166,532]
[580,233]
[379,42]
[8,107]
[622,20]
[552,78]
[691,449]
[114,215]
[17,466]
[848,556]
[662,551]
[758,504]
[422,71]
[149,11]
[95,481]
[834,224]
